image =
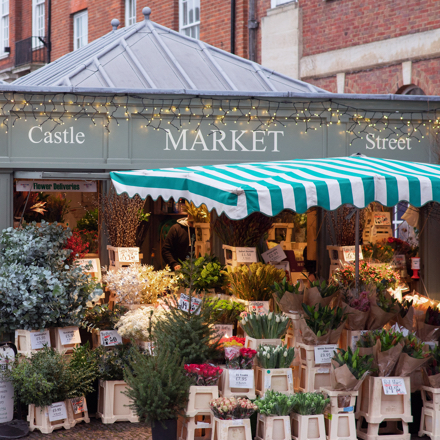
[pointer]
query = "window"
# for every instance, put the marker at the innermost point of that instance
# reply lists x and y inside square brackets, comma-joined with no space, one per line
[189,17]
[4,25]
[130,12]
[80,30]
[38,22]
[275,3]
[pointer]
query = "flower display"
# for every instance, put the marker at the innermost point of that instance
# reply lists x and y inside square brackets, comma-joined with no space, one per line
[403,248]
[270,356]
[275,403]
[203,374]
[234,340]
[380,251]
[414,347]
[362,303]
[239,358]
[232,408]
[267,326]
[432,316]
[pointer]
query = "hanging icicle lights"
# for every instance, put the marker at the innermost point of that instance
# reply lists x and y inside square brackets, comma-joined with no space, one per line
[261,114]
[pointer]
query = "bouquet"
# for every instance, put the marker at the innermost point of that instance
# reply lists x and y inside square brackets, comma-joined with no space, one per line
[432,369]
[383,308]
[320,292]
[203,374]
[247,356]
[429,329]
[267,326]
[413,355]
[405,317]
[275,403]
[232,408]
[309,404]
[239,358]
[288,296]
[357,305]
[269,356]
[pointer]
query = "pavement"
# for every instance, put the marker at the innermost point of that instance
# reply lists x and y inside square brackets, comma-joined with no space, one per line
[95,430]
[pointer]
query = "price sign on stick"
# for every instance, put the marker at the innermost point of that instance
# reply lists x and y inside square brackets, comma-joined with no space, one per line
[324,353]
[69,335]
[40,339]
[393,386]
[184,303]
[57,411]
[276,254]
[241,378]
[110,338]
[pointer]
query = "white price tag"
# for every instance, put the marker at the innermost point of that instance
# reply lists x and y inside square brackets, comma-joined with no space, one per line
[323,370]
[69,335]
[57,411]
[237,422]
[289,376]
[267,381]
[79,405]
[283,265]
[259,307]
[6,402]
[246,255]
[40,339]
[241,378]
[88,264]
[203,425]
[393,386]
[224,330]
[276,254]
[128,255]
[350,253]
[184,303]
[110,337]
[324,353]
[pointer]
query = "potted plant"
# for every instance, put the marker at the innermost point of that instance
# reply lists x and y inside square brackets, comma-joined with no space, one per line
[158,389]
[274,420]
[226,313]
[232,413]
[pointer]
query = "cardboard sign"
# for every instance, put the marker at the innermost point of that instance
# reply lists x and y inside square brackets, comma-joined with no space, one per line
[184,303]
[350,253]
[393,386]
[224,330]
[128,255]
[276,254]
[259,307]
[241,379]
[324,353]
[57,411]
[69,335]
[110,338]
[79,405]
[246,255]
[88,264]
[40,339]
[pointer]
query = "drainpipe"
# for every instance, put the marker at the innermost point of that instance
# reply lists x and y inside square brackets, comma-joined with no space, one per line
[49,29]
[252,26]
[233,26]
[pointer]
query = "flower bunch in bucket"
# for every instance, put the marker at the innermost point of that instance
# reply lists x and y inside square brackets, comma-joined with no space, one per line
[288,296]
[309,404]
[232,408]
[275,403]
[270,356]
[267,326]
[239,358]
[203,374]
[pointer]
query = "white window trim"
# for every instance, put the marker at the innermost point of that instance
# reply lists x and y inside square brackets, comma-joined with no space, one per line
[127,9]
[183,27]
[75,17]
[3,42]
[36,43]
[275,3]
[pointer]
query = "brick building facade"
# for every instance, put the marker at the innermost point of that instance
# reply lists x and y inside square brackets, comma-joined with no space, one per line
[340,45]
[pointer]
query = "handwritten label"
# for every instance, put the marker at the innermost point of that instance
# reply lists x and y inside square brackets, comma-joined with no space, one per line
[399,261]
[259,307]
[6,402]
[128,255]
[350,253]
[7,356]
[246,255]
[393,386]
[224,329]
[88,264]
[40,339]
[110,338]
[276,254]
[57,411]
[79,405]
[324,353]
[289,376]
[69,335]
[241,379]
[184,303]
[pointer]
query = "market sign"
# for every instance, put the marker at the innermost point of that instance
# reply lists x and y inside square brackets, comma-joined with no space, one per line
[56,186]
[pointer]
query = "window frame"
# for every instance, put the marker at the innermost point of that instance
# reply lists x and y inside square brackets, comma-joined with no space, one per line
[4,17]
[128,10]
[36,4]
[195,24]
[76,16]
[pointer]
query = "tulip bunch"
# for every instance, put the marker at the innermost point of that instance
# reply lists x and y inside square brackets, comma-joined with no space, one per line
[270,356]
[239,358]
[275,403]
[279,289]
[326,290]
[267,326]
[405,305]
[203,374]
[232,408]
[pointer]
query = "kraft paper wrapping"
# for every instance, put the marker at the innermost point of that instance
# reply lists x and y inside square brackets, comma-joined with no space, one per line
[335,334]
[341,378]
[309,338]
[356,319]
[408,321]
[292,302]
[406,365]
[312,297]
[387,360]
[378,317]
[427,332]
[431,381]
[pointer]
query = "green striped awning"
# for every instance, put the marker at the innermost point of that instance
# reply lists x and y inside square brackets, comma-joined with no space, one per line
[269,187]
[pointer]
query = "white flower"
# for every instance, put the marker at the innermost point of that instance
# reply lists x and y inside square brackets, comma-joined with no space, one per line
[269,316]
[278,319]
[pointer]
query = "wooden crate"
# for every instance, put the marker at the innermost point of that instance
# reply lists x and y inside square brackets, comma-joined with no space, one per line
[307,355]
[307,427]
[231,256]
[430,420]
[227,391]
[339,254]
[231,429]
[276,379]
[255,343]
[195,428]
[23,342]
[113,404]
[199,398]
[313,378]
[273,428]
[122,256]
[38,418]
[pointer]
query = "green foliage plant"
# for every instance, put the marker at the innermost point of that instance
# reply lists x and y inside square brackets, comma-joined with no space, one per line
[267,326]
[38,288]
[325,289]
[322,319]
[225,311]
[358,365]
[387,302]
[310,404]
[112,361]
[157,384]
[89,222]
[275,403]
[269,356]
[101,317]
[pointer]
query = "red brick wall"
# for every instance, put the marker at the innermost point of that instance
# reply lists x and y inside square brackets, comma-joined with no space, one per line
[330,25]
